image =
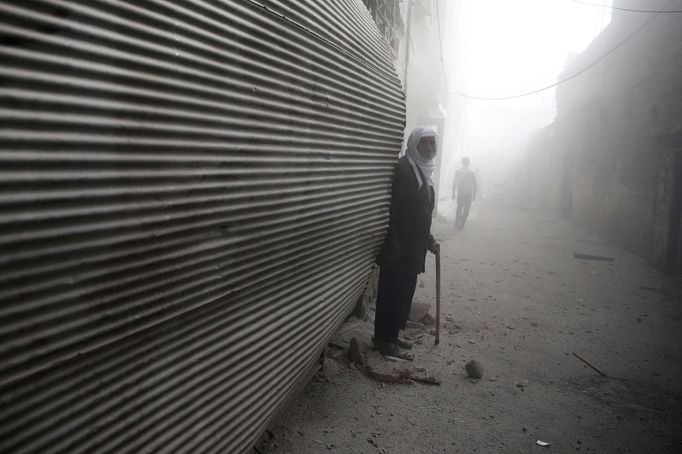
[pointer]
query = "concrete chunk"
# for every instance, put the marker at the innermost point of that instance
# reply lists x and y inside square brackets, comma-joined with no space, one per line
[474,369]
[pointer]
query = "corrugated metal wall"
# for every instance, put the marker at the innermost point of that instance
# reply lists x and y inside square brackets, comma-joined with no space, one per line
[192,193]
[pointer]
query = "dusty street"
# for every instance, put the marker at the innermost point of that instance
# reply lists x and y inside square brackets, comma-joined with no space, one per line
[521,305]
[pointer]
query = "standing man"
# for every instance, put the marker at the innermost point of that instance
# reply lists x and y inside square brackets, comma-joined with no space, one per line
[408,238]
[464,190]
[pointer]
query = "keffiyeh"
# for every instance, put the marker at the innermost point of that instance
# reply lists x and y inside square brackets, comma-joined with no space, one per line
[418,162]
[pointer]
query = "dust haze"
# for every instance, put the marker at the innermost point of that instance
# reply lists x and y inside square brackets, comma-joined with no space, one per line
[564,282]
[496,49]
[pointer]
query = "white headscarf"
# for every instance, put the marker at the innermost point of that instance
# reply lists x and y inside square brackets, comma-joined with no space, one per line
[426,166]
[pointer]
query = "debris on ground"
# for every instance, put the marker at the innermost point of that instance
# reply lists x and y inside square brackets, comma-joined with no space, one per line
[418,339]
[373,442]
[354,352]
[542,443]
[599,258]
[589,364]
[522,384]
[387,369]
[341,342]
[474,369]
[352,346]
[427,380]
[633,411]
[428,320]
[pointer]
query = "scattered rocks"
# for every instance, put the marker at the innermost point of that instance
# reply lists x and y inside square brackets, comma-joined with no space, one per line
[474,369]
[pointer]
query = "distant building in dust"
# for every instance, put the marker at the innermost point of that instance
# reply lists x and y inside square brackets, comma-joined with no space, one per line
[614,151]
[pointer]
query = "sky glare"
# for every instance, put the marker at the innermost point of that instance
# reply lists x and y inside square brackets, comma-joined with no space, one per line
[500,48]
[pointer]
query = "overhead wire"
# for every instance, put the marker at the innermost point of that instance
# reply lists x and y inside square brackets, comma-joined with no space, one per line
[629,10]
[572,75]
[440,39]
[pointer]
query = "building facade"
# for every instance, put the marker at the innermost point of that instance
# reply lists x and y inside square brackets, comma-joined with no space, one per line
[615,146]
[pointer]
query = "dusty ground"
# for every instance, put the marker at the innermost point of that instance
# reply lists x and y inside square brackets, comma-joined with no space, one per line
[521,305]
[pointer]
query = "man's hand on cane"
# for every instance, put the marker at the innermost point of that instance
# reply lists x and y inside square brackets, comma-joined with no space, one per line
[433,246]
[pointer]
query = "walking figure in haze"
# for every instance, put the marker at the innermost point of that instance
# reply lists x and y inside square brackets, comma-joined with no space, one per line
[408,238]
[464,191]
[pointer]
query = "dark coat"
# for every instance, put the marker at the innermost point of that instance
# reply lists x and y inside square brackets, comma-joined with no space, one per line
[409,226]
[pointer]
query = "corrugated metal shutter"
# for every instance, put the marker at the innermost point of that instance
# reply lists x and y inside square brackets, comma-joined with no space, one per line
[191,197]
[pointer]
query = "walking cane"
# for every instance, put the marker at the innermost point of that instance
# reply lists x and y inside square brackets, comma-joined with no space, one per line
[437,341]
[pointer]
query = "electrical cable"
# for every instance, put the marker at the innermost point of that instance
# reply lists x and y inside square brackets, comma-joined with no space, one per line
[629,10]
[571,76]
[440,39]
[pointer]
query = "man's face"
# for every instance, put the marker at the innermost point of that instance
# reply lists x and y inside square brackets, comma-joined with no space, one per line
[427,148]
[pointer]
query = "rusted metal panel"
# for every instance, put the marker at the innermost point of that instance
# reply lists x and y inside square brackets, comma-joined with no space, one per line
[192,194]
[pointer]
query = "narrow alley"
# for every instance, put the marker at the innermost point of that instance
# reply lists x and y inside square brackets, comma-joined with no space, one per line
[202,201]
[518,302]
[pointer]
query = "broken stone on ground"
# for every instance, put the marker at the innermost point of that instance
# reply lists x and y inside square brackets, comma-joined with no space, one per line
[352,347]
[474,369]
[395,370]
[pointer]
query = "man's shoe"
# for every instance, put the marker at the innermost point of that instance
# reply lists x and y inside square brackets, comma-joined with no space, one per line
[401,343]
[390,349]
